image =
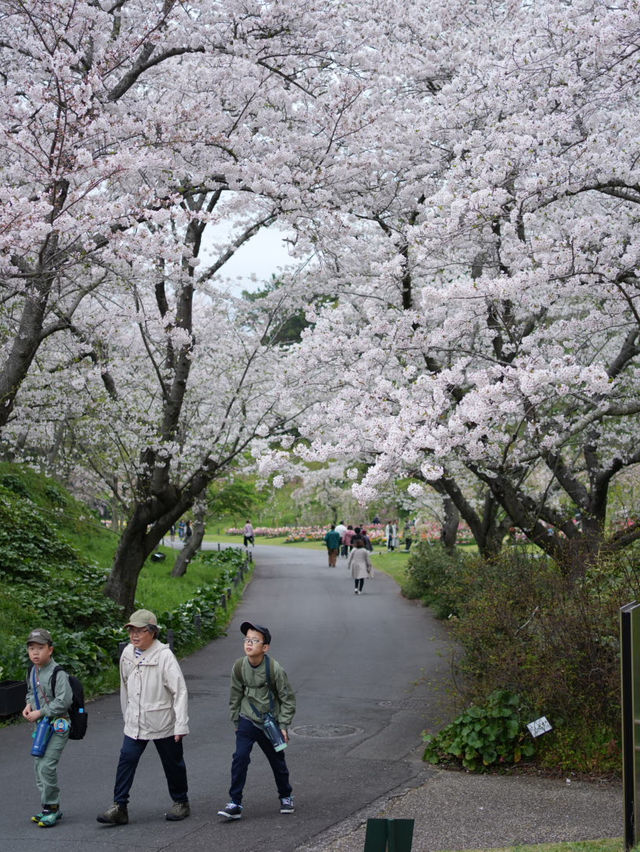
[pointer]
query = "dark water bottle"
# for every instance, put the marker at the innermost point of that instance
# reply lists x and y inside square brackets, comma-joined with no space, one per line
[273,733]
[41,737]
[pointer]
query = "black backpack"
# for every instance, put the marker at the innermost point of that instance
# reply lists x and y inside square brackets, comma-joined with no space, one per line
[77,712]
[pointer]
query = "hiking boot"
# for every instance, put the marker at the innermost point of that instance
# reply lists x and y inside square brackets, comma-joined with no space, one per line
[231,811]
[49,819]
[115,815]
[286,805]
[179,810]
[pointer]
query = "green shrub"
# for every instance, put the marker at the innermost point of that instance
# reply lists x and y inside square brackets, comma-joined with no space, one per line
[522,626]
[579,745]
[434,575]
[484,735]
[527,629]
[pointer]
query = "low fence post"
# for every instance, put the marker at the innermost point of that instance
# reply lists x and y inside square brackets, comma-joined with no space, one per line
[389,835]
[630,703]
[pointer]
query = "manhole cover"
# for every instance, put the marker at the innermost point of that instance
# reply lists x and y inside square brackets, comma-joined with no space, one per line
[325,731]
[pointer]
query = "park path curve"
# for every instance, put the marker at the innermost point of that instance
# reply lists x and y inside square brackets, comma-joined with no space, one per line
[370,672]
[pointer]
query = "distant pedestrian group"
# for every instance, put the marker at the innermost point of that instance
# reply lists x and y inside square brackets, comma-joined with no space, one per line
[353,544]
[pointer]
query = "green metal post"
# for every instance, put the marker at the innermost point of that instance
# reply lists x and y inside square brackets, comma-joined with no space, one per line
[630,678]
[389,835]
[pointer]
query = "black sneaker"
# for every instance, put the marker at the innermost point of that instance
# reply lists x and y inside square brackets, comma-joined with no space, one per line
[231,811]
[286,805]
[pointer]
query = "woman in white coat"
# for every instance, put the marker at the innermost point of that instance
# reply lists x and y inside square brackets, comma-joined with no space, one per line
[359,564]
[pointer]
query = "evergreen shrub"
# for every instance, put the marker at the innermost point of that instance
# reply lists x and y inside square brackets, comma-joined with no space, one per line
[437,578]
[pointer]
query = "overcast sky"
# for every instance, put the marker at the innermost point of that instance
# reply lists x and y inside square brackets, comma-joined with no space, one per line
[255,262]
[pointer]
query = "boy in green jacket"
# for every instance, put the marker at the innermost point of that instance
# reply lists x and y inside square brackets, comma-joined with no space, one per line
[248,703]
[42,703]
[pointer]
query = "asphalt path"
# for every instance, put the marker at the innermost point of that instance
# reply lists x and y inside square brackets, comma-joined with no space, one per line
[369,671]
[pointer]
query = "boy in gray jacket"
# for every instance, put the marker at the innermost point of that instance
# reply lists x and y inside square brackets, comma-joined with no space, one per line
[248,703]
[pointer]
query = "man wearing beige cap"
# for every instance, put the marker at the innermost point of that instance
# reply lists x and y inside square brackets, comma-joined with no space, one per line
[153,696]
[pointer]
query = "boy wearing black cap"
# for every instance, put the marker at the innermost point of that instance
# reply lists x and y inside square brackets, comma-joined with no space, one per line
[250,700]
[51,709]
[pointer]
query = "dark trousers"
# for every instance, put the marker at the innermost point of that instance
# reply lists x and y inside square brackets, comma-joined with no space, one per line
[172,758]
[246,735]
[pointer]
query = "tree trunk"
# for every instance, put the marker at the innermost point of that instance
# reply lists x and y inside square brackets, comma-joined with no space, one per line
[192,546]
[136,544]
[449,531]
[488,531]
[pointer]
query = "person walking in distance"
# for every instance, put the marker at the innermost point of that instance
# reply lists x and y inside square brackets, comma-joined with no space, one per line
[333,540]
[360,565]
[248,534]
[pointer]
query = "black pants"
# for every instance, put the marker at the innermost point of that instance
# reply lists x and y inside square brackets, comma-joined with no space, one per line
[172,758]
[246,735]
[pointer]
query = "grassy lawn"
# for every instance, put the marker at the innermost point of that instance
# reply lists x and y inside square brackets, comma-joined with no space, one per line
[158,590]
[608,845]
[393,563]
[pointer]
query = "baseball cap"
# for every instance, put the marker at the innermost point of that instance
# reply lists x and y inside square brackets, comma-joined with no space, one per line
[40,636]
[247,625]
[142,618]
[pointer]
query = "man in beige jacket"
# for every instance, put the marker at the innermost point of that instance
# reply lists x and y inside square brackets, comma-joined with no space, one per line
[153,696]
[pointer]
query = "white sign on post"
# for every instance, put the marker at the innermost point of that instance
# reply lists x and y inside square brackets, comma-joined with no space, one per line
[540,726]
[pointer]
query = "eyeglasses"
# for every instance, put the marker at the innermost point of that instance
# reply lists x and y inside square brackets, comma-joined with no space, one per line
[137,631]
[253,641]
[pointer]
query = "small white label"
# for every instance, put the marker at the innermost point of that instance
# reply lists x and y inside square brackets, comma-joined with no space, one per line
[540,726]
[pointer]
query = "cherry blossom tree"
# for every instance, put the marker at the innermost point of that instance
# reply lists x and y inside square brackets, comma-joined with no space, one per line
[130,129]
[490,325]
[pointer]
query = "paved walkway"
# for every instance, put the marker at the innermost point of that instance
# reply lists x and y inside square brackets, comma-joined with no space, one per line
[371,672]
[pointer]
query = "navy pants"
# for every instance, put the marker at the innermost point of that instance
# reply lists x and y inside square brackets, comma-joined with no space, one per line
[172,758]
[246,735]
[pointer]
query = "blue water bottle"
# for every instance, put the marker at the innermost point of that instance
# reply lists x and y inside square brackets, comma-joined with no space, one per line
[41,737]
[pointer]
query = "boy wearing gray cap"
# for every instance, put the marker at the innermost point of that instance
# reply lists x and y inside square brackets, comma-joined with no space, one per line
[259,685]
[153,696]
[51,711]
